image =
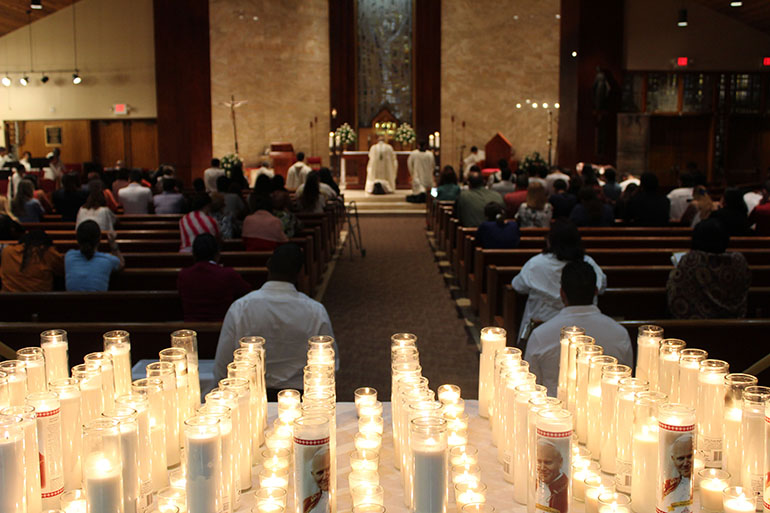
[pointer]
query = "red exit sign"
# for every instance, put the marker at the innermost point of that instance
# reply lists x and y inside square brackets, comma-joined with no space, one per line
[766,61]
[121,109]
[682,62]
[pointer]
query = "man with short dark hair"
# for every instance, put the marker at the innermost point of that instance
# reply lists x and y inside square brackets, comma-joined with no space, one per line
[285,317]
[562,201]
[471,203]
[170,201]
[297,173]
[211,174]
[578,288]
[505,185]
[421,164]
[207,289]
[135,198]
[475,157]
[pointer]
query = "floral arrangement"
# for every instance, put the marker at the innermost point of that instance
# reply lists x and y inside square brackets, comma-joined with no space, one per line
[346,134]
[229,161]
[533,161]
[405,134]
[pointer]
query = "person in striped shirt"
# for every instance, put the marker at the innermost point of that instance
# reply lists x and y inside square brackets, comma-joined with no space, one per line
[196,222]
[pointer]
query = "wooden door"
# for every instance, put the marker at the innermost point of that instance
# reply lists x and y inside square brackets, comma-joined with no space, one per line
[144,143]
[109,142]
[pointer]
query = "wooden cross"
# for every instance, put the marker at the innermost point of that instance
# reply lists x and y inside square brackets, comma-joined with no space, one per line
[234,104]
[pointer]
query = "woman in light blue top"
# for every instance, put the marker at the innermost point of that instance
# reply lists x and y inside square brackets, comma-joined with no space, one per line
[86,269]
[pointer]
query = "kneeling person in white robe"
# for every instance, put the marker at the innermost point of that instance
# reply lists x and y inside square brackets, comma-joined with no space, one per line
[421,164]
[382,166]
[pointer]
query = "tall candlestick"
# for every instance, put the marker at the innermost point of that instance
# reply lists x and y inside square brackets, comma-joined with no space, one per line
[429,462]
[575,342]
[552,473]
[735,384]
[582,366]
[188,340]
[68,392]
[710,412]
[49,443]
[689,368]
[492,340]
[611,377]
[31,458]
[34,363]
[644,448]
[624,431]
[203,466]
[165,372]
[755,399]
[594,427]
[567,332]
[518,471]
[668,367]
[54,345]
[12,492]
[16,376]
[648,343]
[118,344]
[102,479]
[676,443]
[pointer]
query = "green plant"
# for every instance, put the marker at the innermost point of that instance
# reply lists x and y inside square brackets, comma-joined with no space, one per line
[405,134]
[229,161]
[533,162]
[346,134]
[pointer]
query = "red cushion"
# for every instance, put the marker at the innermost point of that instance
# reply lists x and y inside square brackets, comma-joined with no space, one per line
[489,171]
[257,244]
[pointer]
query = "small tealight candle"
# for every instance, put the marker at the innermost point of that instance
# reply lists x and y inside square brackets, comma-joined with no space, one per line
[271,495]
[463,455]
[478,508]
[267,507]
[697,466]
[374,408]
[457,438]
[73,501]
[735,500]
[283,429]
[370,424]
[595,486]
[369,508]
[368,494]
[712,483]
[466,474]
[171,496]
[170,508]
[275,442]
[582,469]
[368,441]
[457,422]
[448,394]
[177,478]
[365,396]
[614,503]
[454,409]
[274,478]
[470,493]
[276,460]
[364,460]
[359,477]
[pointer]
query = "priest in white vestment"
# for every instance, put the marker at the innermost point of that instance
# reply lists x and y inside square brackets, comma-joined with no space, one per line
[382,166]
[421,164]
[474,158]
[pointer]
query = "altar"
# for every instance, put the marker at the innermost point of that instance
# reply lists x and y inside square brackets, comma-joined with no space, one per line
[353,170]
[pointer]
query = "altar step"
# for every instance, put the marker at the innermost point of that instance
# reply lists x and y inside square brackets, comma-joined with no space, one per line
[385,204]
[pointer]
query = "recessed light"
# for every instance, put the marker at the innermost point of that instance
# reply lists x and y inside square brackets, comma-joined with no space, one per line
[574,53]
[518,105]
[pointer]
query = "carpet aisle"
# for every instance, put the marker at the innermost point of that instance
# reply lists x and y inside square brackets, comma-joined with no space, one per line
[396,287]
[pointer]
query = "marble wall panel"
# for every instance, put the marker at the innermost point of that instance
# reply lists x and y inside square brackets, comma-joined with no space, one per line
[275,55]
[494,55]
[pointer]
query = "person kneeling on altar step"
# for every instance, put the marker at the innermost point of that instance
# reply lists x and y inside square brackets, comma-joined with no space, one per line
[381,168]
[285,317]
[578,288]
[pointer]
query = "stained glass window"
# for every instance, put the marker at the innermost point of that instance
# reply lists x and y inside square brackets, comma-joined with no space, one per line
[698,92]
[384,59]
[662,92]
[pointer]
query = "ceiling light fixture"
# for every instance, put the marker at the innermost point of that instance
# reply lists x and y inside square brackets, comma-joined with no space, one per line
[556,105]
[44,78]
[682,20]
[76,78]
[518,105]
[736,3]
[6,80]
[35,4]
[24,80]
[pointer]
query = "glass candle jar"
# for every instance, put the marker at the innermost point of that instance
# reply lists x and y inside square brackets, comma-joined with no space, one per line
[712,483]
[594,426]
[737,500]
[567,332]
[644,450]
[735,384]
[166,373]
[173,496]
[755,399]
[676,445]
[364,460]
[648,345]
[364,395]
[102,362]
[243,431]
[492,340]
[624,431]
[668,367]
[596,486]
[689,368]
[203,468]
[118,344]
[31,479]
[49,442]
[358,477]
[312,460]
[470,493]
[552,474]
[428,447]
[178,358]
[710,411]
[152,389]
[463,455]
[188,340]
[54,346]
[248,370]
[503,358]
[614,503]
[91,392]
[369,508]
[12,490]
[102,479]
[448,394]
[34,363]
[16,376]
[585,353]
[68,392]
[367,494]
[518,471]
[230,487]
[611,377]
[271,495]
[575,342]
[74,501]
[130,457]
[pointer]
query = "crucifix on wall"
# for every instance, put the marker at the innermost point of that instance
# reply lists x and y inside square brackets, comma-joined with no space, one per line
[234,104]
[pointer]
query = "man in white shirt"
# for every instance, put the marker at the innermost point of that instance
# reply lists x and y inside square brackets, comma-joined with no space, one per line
[135,198]
[297,173]
[263,169]
[555,174]
[681,197]
[473,159]
[421,164]
[285,317]
[382,167]
[211,174]
[578,289]
[628,179]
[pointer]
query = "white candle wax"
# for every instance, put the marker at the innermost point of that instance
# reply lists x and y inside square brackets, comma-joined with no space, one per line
[519,474]
[753,473]
[56,360]
[688,382]
[17,388]
[102,482]
[202,486]
[668,376]
[71,437]
[594,430]
[508,410]
[492,340]
[49,443]
[121,362]
[710,414]
[711,493]
[12,469]
[733,444]
[36,376]
[645,469]
[614,509]
[430,473]
[647,357]
[129,448]
[165,372]
[90,398]
[609,403]
[738,505]
[592,499]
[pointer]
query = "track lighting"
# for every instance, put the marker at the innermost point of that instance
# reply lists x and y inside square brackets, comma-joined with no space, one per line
[736,3]
[44,78]
[6,81]
[682,21]
[76,78]
[24,80]
[35,4]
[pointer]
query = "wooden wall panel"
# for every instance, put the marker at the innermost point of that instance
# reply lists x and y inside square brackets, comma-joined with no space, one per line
[427,67]
[342,61]
[183,84]
[76,139]
[109,142]
[144,144]
[675,141]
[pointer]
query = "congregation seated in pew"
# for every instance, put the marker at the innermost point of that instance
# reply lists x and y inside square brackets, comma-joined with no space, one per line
[197,221]
[471,202]
[95,208]
[262,231]
[496,232]
[85,268]
[31,264]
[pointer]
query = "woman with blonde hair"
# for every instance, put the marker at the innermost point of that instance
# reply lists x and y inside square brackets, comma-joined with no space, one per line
[535,211]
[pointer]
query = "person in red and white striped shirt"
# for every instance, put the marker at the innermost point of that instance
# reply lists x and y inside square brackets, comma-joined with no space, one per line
[196,222]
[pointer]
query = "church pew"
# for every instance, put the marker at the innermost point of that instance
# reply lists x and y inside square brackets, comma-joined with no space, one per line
[177,259]
[147,338]
[120,225]
[121,234]
[604,257]
[112,306]
[165,278]
[627,303]
[128,217]
[622,276]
